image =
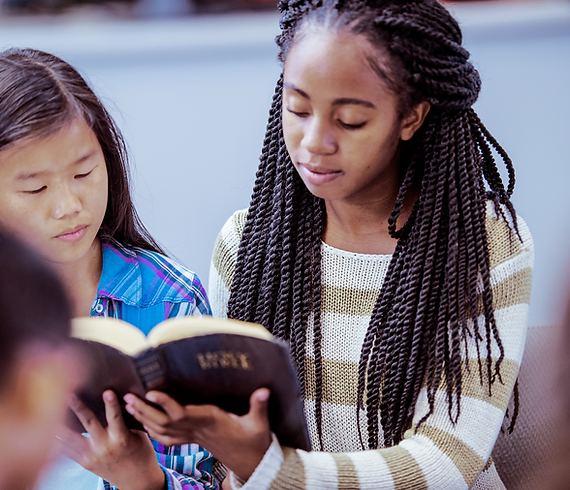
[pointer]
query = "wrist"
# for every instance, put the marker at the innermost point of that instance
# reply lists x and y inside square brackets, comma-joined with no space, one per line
[249,462]
[152,479]
[155,482]
[266,471]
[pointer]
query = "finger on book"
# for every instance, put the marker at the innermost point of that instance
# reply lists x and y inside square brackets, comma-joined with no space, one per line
[167,440]
[86,417]
[143,412]
[113,412]
[173,409]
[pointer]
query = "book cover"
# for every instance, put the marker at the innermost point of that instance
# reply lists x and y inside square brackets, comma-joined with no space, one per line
[195,360]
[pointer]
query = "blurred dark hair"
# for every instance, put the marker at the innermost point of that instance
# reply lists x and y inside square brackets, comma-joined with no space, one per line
[33,305]
[41,94]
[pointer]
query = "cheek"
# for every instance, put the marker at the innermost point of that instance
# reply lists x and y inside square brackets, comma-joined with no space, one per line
[380,151]
[20,220]
[30,230]
[103,197]
[99,194]
[292,133]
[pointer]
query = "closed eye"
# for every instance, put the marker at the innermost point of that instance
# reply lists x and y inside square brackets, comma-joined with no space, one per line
[36,191]
[297,113]
[351,126]
[81,176]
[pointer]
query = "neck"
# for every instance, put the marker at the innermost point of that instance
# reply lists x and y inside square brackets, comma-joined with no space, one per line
[362,227]
[81,279]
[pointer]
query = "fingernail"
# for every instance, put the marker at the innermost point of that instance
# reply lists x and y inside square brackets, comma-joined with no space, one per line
[130,409]
[151,398]
[72,400]
[108,396]
[263,396]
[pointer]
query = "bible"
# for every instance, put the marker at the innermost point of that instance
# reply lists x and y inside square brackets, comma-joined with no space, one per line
[195,360]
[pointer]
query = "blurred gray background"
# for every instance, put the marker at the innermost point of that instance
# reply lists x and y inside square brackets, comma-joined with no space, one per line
[191,94]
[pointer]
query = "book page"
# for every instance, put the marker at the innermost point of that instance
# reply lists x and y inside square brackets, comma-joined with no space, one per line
[110,331]
[195,326]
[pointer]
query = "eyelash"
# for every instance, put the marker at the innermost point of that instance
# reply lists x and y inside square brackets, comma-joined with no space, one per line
[81,176]
[298,114]
[344,125]
[78,176]
[352,126]
[37,191]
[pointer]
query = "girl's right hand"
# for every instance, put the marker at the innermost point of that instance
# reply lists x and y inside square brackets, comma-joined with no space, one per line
[239,442]
[123,457]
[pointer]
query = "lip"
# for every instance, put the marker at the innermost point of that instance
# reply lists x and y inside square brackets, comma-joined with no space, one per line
[73,235]
[317,176]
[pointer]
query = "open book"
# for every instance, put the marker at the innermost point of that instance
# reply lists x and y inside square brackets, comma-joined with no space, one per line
[195,360]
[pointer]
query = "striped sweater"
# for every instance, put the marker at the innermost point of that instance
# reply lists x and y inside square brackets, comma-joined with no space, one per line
[440,455]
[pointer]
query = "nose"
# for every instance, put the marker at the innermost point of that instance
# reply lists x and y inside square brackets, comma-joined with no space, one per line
[66,202]
[319,137]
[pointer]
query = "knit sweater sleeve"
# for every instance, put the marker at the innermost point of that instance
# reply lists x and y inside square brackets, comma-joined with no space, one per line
[223,263]
[440,454]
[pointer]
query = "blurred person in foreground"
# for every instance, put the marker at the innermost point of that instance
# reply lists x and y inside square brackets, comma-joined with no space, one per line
[36,365]
[556,474]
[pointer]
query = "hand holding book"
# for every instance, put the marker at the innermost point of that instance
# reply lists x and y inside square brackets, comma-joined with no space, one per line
[123,457]
[195,361]
[239,442]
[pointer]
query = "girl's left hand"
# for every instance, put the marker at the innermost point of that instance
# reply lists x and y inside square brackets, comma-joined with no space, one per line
[123,457]
[239,442]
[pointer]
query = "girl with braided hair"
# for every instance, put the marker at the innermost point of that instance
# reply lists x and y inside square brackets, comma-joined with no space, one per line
[381,243]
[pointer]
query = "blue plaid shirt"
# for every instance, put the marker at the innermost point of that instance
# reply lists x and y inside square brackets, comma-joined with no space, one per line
[145,288]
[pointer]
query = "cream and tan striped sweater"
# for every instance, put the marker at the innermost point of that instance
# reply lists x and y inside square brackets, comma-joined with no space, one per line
[440,455]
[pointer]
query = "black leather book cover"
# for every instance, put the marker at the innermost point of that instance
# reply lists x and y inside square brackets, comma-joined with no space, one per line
[221,368]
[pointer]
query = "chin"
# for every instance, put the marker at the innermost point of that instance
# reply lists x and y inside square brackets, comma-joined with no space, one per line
[319,193]
[67,257]
[325,194]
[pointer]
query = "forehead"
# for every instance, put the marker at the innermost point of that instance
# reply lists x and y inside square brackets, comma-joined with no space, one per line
[62,146]
[339,62]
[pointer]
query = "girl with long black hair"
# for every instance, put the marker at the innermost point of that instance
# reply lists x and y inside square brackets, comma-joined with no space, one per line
[64,190]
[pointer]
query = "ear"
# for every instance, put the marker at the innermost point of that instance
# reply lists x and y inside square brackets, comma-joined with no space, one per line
[413,121]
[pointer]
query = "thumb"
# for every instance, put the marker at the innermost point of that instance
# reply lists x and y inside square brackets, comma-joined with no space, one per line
[258,406]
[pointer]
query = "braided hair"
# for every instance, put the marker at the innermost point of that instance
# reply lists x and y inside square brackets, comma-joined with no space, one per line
[431,297]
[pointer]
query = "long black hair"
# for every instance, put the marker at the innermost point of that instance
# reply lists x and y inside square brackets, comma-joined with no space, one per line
[430,301]
[41,94]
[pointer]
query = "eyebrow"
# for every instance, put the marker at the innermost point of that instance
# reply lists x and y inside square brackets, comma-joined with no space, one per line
[336,102]
[24,177]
